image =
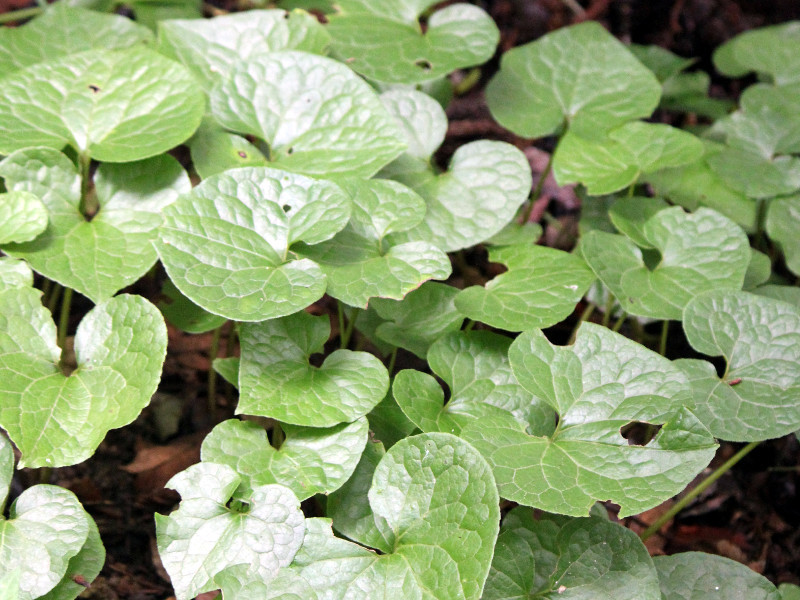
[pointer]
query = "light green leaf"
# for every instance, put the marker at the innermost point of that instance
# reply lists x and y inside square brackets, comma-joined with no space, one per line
[226,244]
[789,591]
[486,183]
[540,288]
[749,172]
[388,424]
[618,161]
[9,585]
[316,115]
[96,257]
[696,253]
[215,150]
[556,557]
[630,214]
[23,216]
[783,225]
[185,314]
[228,368]
[420,318]
[756,399]
[767,51]
[14,273]
[210,47]
[758,271]
[514,233]
[86,564]
[699,576]
[62,30]
[56,420]
[578,77]
[114,106]
[276,379]
[360,263]
[768,121]
[262,531]
[383,42]
[663,63]
[151,12]
[688,93]
[475,367]
[598,386]
[785,293]
[421,119]
[310,461]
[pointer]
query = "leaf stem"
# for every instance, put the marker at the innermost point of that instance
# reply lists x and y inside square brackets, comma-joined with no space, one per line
[622,318]
[696,491]
[345,329]
[607,310]
[761,218]
[213,352]
[537,191]
[470,325]
[19,15]
[392,360]
[587,312]
[574,7]
[52,299]
[63,321]
[662,344]
[88,205]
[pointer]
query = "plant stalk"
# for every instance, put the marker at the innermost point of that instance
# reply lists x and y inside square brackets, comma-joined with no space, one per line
[345,328]
[88,206]
[392,360]
[607,310]
[19,15]
[52,299]
[699,489]
[662,344]
[537,191]
[587,312]
[63,321]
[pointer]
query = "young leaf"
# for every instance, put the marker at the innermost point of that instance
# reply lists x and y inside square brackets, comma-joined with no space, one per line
[580,559]
[475,367]
[618,161]
[56,420]
[316,115]
[276,379]
[185,314]
[226,244]
[359,264]
[96,257]
[598,386]
[698,252]
[310,461]
[209,532]
[62,30]
[768,51]
[210,47]
[698,576]
[113,106]
[23,216]
[215,150]
[540,288]
[383,40]
[756,399]
[579,77]
[783,224]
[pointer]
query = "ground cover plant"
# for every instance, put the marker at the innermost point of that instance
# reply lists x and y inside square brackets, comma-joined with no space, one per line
[385,424]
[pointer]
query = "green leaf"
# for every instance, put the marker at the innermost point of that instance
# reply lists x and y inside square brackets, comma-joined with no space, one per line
[578,77]
[151,12]
[475,367]
[316,115]
[756,399]
[598,386]
[262,531]
[663,63]
[768,121]
[114,106]
[698,576]
[226,244]
[783,221]
[758,271]
[310,461]
[556,557]
[210,47]
[767,51]
[14,273]
[618,161]
[420,318]
[697,252]
[276,379]
[62,30]
[630,214]
[422,120]
[215,150]
[9,585]
[481,192]
[23,216]
[56,420]
[789,591]
[785,293]
[359,264]
[514,233]
[96,257]
[383,40]
[540,288]
[86,565]
[388,424]
[185,314]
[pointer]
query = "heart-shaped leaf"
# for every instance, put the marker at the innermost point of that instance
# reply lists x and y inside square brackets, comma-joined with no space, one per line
[698,252]
[783,224]
[23,216]
[599,386]
[558,557]
[210,47]
[540,288]
[388,424]
[360,263]
[579,77]
[421,119]
[383,40]
[113,106]
[84,567]
[630,214]
[310,461]
[215,150]
[316,115]
[209,532]
[276,379]
[475,367]
[63,29]
[617,161]
[756,398]
[768,51]
[698,576]
[57,420]
[96,257]
[226,244]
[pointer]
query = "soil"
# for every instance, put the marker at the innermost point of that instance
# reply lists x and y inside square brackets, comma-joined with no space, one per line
[751,514]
